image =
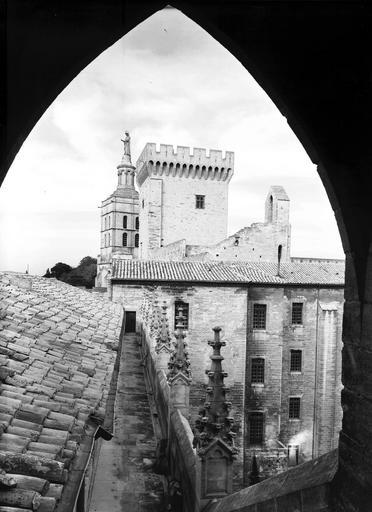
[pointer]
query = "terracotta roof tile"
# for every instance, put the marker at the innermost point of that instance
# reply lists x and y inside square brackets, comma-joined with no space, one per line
[229,272]
[56,366]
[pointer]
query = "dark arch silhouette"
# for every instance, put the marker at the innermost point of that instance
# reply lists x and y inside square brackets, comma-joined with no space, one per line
[312,59]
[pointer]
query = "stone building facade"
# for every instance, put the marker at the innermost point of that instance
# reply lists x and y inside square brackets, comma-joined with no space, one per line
[282,354]
[281,316]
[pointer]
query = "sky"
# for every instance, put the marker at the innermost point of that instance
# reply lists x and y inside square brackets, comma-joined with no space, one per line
[167,81]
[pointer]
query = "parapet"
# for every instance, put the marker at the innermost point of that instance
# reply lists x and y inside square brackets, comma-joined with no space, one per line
[184,161]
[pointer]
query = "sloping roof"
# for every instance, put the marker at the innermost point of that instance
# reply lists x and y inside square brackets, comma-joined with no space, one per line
[58,346]
[299,273]
[225,272]
[291,483]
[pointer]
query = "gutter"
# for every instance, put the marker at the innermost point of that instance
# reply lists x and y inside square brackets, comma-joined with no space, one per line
[104,431]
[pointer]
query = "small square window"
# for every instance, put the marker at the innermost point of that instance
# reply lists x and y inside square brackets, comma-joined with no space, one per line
[259,316]
[296,361]
[258,370]
[294,407]
[256,428]
[199,202]
[297,308]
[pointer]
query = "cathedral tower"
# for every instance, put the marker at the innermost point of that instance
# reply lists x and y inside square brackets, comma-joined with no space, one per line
[119,218]
[183,195]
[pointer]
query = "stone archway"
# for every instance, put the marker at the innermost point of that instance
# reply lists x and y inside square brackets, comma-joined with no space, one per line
[312,60]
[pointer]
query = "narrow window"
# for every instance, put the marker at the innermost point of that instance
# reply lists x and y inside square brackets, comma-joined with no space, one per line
[271,209]
[105,222]
[125,239]
[125,222]
[200,202]
[259,316]
[137,222]
[256,428]
[293,454]
[258,370]
[105,245]
[297,308]
[109,219]
[185,313]
[136,240]
[109,239]
[296,361]
[143,203]
[294,407]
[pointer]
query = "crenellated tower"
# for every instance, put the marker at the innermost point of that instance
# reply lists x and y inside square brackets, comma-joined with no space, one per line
[119,218]
[183,194]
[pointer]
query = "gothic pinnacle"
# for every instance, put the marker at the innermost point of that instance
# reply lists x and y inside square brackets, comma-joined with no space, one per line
[214,419]
[163,336]
[179,362]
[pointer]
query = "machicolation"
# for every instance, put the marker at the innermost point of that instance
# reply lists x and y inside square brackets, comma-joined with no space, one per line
[184,163]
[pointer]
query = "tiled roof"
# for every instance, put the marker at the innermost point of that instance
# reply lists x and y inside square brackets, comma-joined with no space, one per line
[298,273]
[183,271]
[57,353]
[225,272]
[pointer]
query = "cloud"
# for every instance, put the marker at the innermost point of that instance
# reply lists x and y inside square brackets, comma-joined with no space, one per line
[169,82]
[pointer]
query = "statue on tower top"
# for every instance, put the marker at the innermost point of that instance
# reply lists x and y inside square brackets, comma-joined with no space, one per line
[126,142]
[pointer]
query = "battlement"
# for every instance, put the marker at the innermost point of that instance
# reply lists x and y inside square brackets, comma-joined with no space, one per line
[184,161]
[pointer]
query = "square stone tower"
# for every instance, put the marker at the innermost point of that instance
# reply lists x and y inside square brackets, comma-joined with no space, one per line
[183,195]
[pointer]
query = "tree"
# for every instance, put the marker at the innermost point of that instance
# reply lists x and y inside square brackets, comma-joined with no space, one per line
[59,269]
[87,260]
[82,275]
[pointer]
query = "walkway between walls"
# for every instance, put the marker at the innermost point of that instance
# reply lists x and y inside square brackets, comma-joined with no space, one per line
[124,482]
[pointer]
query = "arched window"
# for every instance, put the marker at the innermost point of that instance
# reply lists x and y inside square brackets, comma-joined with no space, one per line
[137,222]
[125,239]
[271,208]
[136,240]
[125,222]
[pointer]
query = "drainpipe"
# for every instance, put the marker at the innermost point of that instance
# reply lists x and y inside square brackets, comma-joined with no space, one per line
[315,416]
[79,502]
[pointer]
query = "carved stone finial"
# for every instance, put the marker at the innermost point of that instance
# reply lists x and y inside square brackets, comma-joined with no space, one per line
[155,319]
[214,420]
[163,337]
[179,362]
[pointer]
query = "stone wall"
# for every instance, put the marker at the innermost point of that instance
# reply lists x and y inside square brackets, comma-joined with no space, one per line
[258,242]
[169,211]
[208,307]
[318,384]
[150,216]
[172,252]
[181,462]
